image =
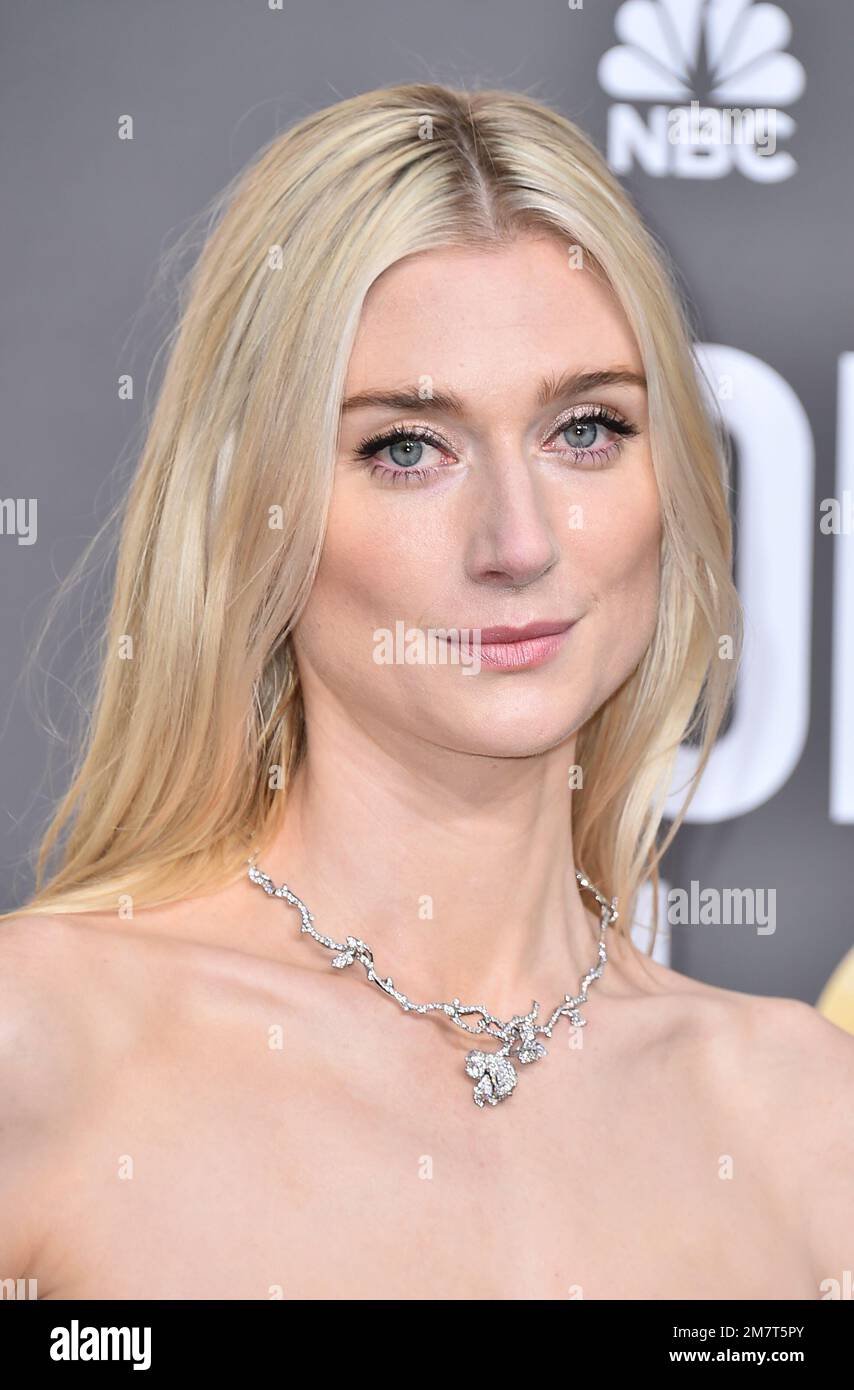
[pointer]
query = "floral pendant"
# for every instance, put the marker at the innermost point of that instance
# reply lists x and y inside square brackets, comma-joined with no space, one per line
[494,1072]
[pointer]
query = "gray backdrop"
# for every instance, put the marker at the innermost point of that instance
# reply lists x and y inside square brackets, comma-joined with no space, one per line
[763,244]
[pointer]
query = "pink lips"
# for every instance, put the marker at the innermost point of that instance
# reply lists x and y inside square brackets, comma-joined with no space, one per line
[520,648]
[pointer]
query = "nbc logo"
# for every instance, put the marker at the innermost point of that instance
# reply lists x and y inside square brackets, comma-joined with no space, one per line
[692,59]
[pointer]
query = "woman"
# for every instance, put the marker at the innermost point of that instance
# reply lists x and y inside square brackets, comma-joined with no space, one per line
[424,577]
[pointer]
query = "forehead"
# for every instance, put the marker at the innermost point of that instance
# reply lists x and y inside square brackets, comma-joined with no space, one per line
[488,316]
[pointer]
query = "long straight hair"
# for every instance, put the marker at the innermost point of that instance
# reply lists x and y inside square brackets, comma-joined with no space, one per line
[196,724]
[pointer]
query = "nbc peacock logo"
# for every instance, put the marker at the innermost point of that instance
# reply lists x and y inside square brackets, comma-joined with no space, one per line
[701,84]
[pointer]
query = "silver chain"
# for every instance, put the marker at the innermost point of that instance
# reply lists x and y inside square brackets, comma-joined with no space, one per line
[493,1071]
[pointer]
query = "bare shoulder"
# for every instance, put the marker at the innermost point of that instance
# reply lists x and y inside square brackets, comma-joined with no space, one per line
[784,1075]
[42,1051]
[41,1019]
[783,1049]
[804,1081]
[62,1025]
[67,1001]
[762,1043]
[76,989]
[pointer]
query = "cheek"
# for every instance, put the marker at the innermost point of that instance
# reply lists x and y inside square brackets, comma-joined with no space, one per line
[375,570]
[621,556]
[372,570]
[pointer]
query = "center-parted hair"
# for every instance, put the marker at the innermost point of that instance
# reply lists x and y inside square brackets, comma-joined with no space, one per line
[196,723]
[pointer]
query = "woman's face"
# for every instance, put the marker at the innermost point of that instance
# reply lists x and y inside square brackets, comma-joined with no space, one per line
[521,506]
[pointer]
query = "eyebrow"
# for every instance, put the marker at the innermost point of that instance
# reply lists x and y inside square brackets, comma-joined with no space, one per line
[551,388]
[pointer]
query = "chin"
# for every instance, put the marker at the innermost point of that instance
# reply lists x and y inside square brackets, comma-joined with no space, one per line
[512,732]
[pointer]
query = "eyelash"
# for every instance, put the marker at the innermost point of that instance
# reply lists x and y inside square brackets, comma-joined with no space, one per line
[598,414]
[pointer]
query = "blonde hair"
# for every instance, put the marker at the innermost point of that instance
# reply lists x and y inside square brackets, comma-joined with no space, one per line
[175,767]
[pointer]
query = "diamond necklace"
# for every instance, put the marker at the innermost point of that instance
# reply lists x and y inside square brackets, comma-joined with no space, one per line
[493,1072]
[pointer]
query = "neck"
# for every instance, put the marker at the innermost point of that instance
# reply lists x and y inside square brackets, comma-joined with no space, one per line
[457,870]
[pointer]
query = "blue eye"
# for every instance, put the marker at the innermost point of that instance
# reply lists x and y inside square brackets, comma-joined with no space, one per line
[579,432]
[409,451]
[406,449]
[584,433]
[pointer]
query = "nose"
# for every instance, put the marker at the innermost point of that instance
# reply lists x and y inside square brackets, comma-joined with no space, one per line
[511,542]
